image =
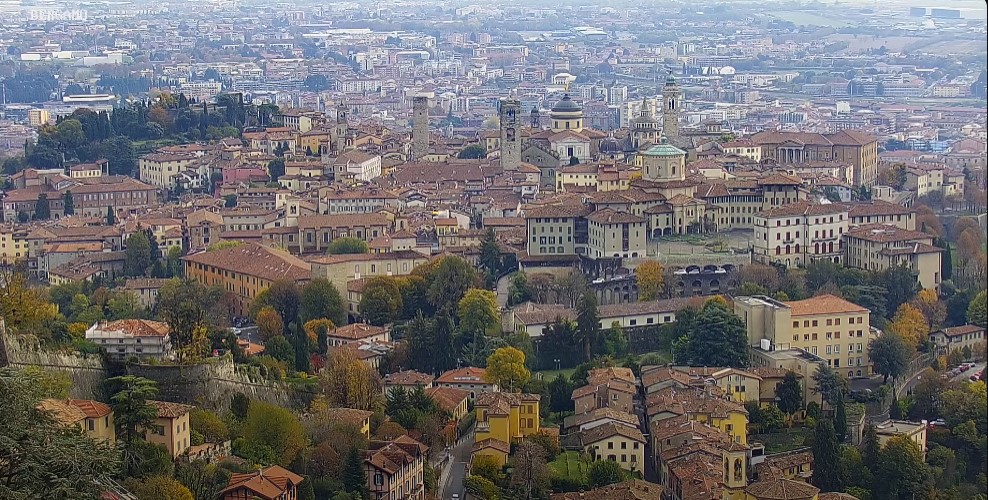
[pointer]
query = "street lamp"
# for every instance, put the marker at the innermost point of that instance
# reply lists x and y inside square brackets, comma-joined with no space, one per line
[557,364]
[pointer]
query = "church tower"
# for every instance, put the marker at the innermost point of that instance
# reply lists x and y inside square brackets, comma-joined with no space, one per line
[341,128]
[644,128]
[536,119]
[672,97]
[510,114]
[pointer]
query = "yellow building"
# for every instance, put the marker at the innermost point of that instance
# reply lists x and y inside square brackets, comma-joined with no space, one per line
[13,244]
[878,247]
[359,419]
[506,416]
[245,270]
[739,385]
[825,326]
[93,417]
[707,405]
[171,428]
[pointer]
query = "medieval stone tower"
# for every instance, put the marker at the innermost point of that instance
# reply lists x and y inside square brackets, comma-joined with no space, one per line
[672,97]
[420,125]
[342,128]
[510,115]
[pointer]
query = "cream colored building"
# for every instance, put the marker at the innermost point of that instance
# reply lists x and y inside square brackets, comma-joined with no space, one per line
[616,234]
[745,149]
[553,229]
[159,169]
[341,269]
[915,431]
[171,428]
[825,326]
[617,443]
[882,212]
[13,244]
[877,247]
[799,233]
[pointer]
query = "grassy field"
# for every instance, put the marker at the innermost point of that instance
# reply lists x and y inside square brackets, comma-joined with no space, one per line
[549,375]
[569,464]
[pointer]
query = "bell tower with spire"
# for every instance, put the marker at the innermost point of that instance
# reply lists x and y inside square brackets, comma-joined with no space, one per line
[672,99]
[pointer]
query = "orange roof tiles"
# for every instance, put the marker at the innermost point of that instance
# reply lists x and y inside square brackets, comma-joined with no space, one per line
[823,304]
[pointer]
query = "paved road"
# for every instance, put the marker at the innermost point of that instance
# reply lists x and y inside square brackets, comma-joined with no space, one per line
[967,375]
[503,287]
[456,470]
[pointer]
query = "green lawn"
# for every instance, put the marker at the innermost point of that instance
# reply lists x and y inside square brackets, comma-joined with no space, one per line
[778,442]
[549,375]
[569,464]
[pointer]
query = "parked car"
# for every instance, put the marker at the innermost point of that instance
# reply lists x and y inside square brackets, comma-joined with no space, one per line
[938,423]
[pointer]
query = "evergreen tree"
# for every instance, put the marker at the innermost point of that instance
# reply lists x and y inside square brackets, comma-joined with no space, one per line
[870,448]
[717,338]
[826,473]
[42,208]
[789,394]
[68,206]
[587,322]
[840,420]
[895,411]
[352,476]
[301,344]
[490,257]
[111,217]
[137,257]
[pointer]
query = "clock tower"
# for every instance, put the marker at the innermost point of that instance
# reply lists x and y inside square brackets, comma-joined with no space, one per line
[510,117]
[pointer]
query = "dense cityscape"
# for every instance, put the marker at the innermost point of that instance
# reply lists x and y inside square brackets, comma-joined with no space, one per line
[410,250]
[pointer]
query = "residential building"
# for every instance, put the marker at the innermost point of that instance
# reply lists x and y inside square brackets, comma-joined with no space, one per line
[606,389]
[14,245]
[145,290]
[615,442]
[357,332]
[557,230]
[159,169]
[879,247]
[882,212]
[616,234]
[342,269]
[396,469]
[826,326]
[170,428]
[94,418]
[470,379]
[796,234]
[597,417]
[915,431]
[126,338]
[794,464]
[705,404]
[356,166]
[358,419]
[740,385]
[314,233]
[490,447]
[407,379]
[454,401]
[781,488]
[506,416]
[245,270]
[270,483]
[958,337]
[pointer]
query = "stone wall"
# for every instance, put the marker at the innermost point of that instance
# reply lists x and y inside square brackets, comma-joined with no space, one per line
[87,373]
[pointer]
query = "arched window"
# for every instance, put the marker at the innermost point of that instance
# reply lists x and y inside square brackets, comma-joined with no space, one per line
[778,250]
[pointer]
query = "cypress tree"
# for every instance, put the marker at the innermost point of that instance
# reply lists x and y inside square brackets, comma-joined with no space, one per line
[68,206]
[111,217]
[840,420]
[870,448]
[42,208]
[826,475]
[352,476]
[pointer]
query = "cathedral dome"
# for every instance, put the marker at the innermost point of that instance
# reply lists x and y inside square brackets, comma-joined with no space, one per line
[566,105]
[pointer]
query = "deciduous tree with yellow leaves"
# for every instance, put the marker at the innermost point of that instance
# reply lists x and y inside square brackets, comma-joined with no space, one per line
[506,368]
[346,381]
[928,303]
[910,324]
[650,276]
[269,323]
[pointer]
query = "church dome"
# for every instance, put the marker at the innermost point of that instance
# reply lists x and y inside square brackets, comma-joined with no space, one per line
[566,105]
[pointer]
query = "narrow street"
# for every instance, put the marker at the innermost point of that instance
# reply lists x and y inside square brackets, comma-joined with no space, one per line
[455,472]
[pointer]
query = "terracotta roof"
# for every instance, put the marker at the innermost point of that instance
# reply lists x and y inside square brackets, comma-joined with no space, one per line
[408,377]
[803,208]
[875,208]
[823,304]
[563,211]
[608,216]
[882,233]
[62,411]
[633,489]
[495,444]
[136,327]
[92,409]
[448,398]
[955,331]
[257,260]
[782,489]
[350,416]
[601,414]
[357,331]
[836,496]
[269,483]
[609,430]
[366,257]
[466,375]
[168,409]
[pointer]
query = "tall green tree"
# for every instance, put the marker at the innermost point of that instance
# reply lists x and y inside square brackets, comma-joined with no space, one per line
[604,472]
[718,338]
[42,208]
[68,204]
[826,456]
[587,322]
[830,384]
[320,299]
[277,428]
[41,457]
[870,448]
[789,394]
[347,245]
[186,306]
[977,311]
[111,216]
[840,420]
[890,355]
[380,301]
[353,476]
[490,257]
[902,471]
[137,257]
[132,414]
[449,282]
